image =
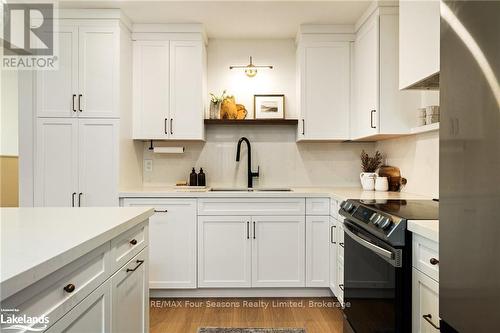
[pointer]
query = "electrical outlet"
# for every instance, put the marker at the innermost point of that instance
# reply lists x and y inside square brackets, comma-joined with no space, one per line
[148,165]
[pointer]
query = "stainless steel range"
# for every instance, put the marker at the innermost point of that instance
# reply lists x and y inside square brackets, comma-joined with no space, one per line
[377,262]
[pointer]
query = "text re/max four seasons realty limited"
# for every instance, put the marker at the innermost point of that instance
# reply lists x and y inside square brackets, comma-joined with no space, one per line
[243,304]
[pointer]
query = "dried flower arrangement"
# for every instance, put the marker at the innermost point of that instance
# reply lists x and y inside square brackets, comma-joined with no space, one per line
[371,164]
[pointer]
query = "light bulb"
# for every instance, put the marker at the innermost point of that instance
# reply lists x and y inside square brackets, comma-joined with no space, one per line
[251,71]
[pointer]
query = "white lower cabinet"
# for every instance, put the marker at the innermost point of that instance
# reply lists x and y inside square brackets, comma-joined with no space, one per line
[91,315]
[278,251]
[318,238]
[425,289]
[172,242]
[246,251]
[130,292]
[224,251]
[425,303]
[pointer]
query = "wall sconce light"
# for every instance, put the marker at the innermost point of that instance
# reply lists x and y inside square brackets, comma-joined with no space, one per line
[250,69]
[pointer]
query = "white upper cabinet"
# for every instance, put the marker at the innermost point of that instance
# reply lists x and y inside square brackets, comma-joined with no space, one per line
[169,80]
[87,81]
[57,91]
[324,74]
[380,110]
[98,71]
[419,35]
[186,90]
[151,89]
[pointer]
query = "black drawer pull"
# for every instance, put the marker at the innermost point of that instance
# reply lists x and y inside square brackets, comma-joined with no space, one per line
[161,211]
[80,102]
[69,288]
[341,244]
[341,286]
[133,242]
[428,318]
[74,96]
[434,261]
[139,263]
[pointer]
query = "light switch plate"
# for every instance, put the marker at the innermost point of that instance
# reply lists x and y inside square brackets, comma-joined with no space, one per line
[148,165]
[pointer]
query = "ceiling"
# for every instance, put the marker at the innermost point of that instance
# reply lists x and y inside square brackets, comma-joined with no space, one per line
[236,19]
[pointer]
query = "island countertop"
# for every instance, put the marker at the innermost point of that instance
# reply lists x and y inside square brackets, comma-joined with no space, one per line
[38,241]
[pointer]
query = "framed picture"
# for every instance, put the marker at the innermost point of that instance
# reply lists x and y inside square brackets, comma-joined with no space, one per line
[269,106]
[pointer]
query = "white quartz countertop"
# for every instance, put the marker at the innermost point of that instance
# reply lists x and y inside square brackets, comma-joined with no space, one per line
[428,229]
[38,241]
[337,193]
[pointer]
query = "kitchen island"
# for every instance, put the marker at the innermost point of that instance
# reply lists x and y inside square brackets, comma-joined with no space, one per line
[74,267]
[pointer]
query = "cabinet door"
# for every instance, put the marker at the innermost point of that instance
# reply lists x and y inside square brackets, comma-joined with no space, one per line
[186,90]
[418,41]
[333,255]
[325,91]
[98,71]
[98,162]
[224,251]
[93,314]
[425,298]
[278,251]
[56,165]
[57,90]
[172,242]
[317,251]
[366,66]
[340,262]
[151,89]
[130,310]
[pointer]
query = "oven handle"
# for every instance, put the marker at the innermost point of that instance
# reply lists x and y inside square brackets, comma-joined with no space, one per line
[377,249]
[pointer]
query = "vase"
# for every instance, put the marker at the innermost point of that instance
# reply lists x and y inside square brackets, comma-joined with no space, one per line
[368,180]
[215,110]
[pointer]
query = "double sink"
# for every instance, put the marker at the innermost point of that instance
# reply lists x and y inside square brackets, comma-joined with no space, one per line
[237,189]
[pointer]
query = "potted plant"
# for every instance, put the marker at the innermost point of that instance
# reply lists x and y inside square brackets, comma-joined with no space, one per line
[369,165]
[215,104]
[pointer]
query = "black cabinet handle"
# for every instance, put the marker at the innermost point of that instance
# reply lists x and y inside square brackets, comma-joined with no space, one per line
[371,119]
[73,199]
[165,126]
[303,127]
[133,242]
[171,126]
[248,230]
[73,102]
[434,261]
[80,102]
[341,286]
[341,244]
[69,288]
[331,234]
[80,199]
[139,263]
[161,211]
[253,229]
[428,318]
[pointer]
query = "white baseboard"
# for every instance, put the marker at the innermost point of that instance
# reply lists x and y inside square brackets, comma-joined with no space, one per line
[241,292]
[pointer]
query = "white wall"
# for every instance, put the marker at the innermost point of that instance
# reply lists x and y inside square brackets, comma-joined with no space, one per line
[417,156]
[9,114]
[282,161]
[280,53]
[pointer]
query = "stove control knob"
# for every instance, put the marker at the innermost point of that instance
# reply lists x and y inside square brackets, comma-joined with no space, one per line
[385,223]
[377,219]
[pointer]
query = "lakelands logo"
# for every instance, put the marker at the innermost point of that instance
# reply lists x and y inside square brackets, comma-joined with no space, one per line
[23,323]
[28,35]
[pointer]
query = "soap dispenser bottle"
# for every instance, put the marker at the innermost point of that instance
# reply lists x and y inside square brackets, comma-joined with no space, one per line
[193,178]
[201,178]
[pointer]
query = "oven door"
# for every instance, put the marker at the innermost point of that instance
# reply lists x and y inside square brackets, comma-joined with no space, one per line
[374,284]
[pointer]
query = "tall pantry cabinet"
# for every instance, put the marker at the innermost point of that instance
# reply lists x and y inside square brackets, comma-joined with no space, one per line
[77,110]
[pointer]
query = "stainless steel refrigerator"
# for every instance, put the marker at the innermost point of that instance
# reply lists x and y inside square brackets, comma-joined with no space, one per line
[469,278]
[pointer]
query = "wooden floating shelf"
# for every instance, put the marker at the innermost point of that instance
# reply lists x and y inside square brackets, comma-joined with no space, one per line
[425,128]
[251,122]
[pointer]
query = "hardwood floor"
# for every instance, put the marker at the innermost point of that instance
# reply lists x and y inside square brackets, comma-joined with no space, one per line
[180,315]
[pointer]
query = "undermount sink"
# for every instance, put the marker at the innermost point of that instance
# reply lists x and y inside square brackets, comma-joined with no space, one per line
[236,189]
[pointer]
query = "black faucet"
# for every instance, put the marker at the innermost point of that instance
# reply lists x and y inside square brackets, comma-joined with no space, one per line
[250,173]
